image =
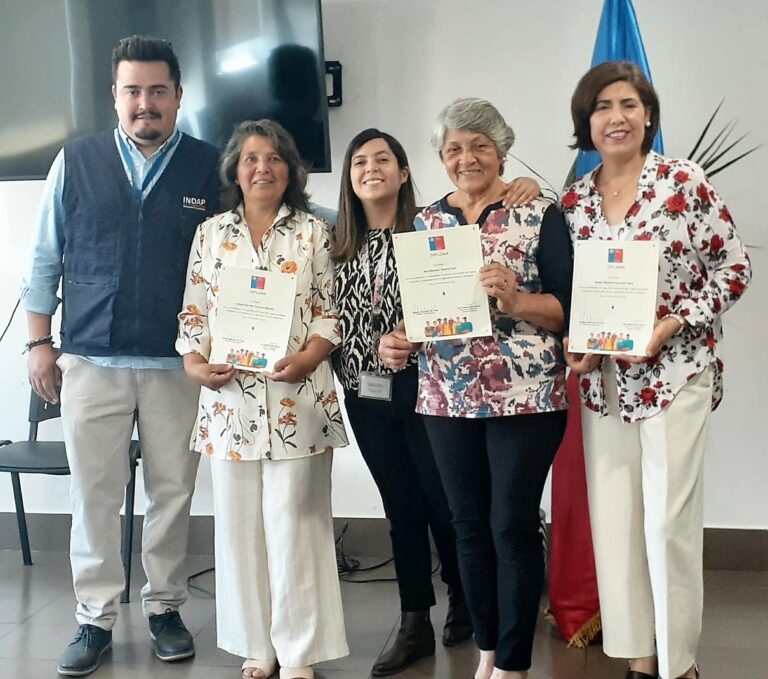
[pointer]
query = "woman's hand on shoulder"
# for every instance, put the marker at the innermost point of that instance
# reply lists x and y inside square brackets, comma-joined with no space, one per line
[521,191]
[394,348]
[210,375]
[580,363]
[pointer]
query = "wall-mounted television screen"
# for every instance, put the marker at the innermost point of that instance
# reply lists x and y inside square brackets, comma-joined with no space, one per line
[240,59]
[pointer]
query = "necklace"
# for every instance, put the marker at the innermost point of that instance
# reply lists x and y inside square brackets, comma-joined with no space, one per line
[607,190]
[615,192]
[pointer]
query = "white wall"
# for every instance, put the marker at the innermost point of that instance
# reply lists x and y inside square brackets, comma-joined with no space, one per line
[403,60]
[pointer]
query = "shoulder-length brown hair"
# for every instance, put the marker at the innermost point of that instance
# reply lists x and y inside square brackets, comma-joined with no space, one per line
[351,225]
[295,196]
[594,81]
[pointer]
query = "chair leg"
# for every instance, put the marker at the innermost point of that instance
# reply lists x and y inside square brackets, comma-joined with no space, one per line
[130,493]
[21,519]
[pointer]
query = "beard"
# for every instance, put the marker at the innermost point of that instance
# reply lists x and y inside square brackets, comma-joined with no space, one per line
[149,134]
[144,129]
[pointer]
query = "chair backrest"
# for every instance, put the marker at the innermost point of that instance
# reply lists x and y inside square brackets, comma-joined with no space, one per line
[40,411]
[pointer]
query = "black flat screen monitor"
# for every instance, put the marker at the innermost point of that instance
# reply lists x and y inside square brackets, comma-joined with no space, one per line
[240,59]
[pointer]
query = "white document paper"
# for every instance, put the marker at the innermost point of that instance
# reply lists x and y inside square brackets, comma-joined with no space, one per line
[253,321]
[439,276]
[613,304]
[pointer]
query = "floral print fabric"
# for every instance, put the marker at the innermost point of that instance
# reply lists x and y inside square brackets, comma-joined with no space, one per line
[252,417]
[520,368]
[703,270]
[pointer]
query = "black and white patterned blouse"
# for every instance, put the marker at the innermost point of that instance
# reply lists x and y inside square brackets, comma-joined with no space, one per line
[360,330]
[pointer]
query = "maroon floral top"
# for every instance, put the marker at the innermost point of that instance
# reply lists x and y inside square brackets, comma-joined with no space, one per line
[520,369]
[703,270]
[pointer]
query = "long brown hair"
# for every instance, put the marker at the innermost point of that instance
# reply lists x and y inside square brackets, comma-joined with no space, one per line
[351,225]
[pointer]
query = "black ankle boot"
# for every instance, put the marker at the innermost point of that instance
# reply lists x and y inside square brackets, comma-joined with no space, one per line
[458,626]
[414,640]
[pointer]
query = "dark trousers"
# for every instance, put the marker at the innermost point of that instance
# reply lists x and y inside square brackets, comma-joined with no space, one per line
[493,471]
[394,444]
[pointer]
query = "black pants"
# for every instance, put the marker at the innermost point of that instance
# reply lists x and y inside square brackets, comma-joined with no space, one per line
[394,444]
[494,470]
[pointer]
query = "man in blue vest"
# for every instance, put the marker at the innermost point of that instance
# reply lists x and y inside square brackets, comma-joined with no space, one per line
[118,216]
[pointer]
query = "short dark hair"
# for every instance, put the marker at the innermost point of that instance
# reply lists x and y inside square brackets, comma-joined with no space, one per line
[146,48]
[351,225]
[595,81]
[295,196]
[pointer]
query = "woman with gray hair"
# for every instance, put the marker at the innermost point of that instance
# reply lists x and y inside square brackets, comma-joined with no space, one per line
[270,435]
[496,406]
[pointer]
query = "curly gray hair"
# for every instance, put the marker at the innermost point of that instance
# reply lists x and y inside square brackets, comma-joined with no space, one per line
[477,115]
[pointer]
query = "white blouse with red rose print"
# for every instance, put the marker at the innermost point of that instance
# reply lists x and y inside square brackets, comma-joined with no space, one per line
[703,270]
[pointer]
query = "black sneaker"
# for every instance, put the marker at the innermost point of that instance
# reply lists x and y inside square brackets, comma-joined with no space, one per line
[171,639]
[83,655]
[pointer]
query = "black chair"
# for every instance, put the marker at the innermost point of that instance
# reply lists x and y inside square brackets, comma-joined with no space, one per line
[50,457]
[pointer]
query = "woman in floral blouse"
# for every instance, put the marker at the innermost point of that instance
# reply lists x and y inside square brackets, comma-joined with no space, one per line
[270,436]
[495,406]
[645,418]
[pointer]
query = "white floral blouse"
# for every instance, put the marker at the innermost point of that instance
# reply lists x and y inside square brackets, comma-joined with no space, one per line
[703,270]
[252,417]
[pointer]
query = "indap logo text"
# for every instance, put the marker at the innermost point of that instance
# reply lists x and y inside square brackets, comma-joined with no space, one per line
[193,203]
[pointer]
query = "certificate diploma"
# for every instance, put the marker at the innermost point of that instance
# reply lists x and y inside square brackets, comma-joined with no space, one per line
[613,305]
[253,321]
[439,275]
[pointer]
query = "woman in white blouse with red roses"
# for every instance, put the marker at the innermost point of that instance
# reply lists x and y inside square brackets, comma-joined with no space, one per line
[645,418]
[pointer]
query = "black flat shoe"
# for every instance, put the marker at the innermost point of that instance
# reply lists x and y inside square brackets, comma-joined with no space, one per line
[634,674]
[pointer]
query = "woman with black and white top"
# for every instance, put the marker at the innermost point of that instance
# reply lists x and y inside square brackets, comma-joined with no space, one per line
[377,200]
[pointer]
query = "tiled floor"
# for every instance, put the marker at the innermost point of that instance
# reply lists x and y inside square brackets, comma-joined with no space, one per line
[36,623]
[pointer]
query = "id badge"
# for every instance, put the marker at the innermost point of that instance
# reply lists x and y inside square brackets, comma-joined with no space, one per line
[375,386]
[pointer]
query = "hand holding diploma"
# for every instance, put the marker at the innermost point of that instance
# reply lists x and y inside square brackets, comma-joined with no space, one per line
[394,348]
[499,282]
[295,367]
[580,363]
[210,375]
[663,331]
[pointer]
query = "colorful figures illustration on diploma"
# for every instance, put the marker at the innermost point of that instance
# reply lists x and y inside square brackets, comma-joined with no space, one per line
[447,327]
[247,359]
[610,341]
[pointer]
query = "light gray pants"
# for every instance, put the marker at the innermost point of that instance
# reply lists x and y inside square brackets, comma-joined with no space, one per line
[99,406]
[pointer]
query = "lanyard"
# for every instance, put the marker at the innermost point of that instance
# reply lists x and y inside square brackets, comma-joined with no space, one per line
[376,286]
[138,192]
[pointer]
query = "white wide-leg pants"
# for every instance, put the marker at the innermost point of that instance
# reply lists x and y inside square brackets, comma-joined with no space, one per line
[277,587]
[99,407]
[646,507]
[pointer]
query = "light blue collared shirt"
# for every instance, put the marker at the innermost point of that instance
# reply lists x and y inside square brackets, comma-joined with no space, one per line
[45,267]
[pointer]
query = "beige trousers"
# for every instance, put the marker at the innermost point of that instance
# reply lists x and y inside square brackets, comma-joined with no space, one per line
[99,407]
[277,587]
[646,507]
